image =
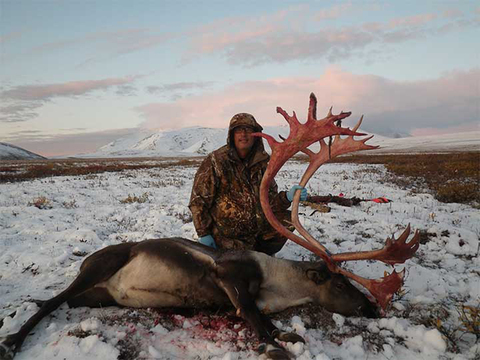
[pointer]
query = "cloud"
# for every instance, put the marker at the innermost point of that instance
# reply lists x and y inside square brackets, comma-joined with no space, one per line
[279,39]
[25,99]
[111,43]
[391,107]
[452,13]
[68,89]
[298,32]
[10,36]
[182,86]
[332,13]
[126,90]
[65,144]
[414,20]
[220,35]
[18,112]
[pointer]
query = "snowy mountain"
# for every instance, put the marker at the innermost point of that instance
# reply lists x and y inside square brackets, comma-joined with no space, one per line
[183,142]
[197,141]
[12,152]
[126,142]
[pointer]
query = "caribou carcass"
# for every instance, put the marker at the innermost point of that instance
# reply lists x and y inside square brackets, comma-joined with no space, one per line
[177,272]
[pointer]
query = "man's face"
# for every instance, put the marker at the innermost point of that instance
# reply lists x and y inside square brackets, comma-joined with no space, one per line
[243,139]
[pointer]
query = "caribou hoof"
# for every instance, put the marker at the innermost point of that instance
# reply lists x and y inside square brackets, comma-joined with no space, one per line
[290,337]
[7,350]
[274,351]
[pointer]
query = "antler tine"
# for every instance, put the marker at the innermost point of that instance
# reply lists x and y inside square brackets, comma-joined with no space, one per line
[330,111]
[357,125]
[394,251]
[382,289]
[312,108]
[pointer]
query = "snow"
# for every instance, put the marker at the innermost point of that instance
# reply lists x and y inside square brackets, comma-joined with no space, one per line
[41,251]
[12,152]
[466,141]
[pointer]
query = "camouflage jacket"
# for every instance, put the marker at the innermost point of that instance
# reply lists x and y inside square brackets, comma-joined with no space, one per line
[225,201]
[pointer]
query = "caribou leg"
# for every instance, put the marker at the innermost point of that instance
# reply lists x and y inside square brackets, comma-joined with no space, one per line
[97,268]
[244,302]
[242,289]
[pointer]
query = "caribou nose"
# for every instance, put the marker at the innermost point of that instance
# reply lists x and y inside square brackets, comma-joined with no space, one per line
[371,308]
[370,311]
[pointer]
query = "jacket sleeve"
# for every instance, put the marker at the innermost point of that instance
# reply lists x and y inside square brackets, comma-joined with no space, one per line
[201,199]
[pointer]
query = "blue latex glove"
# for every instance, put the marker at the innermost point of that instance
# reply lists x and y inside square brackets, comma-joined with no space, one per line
[291,193]
[208,240]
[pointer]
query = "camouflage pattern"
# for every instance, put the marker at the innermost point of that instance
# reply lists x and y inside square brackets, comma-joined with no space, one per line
[225,200]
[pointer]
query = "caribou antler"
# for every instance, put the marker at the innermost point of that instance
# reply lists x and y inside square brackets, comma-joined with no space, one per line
[301,136]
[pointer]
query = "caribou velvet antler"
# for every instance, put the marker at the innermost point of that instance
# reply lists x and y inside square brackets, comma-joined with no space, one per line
[301,136]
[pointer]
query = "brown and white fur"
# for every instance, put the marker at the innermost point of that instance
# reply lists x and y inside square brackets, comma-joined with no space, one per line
[176,272]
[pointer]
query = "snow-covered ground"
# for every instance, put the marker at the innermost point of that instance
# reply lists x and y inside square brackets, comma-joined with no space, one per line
[41,250]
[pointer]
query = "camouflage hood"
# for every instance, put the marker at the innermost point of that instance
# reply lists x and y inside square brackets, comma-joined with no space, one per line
[243,119]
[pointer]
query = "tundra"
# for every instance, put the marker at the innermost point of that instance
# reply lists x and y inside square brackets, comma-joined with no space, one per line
[176,272]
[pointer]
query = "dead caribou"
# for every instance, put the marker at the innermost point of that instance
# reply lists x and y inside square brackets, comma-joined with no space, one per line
[181,273]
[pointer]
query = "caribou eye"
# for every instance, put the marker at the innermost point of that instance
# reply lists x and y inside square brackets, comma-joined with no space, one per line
[340,286]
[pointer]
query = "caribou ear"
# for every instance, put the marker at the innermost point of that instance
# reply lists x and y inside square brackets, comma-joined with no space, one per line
[318,276]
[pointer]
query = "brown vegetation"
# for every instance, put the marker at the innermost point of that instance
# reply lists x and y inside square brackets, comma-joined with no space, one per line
[135,199]
[13,171]
[451,177]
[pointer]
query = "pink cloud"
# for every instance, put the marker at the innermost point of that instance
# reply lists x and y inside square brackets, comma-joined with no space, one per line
[72,88]
[23,100]
[223,33]
[452,13]
[389,106]
[209,43]
[280,38]
[415,20]
[10,36]
[333,12]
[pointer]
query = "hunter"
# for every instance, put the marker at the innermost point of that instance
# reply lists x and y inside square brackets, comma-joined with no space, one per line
[225,202]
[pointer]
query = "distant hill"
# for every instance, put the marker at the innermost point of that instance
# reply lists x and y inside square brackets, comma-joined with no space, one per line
[12,152]
[198,141]
[445,143]
[192,141]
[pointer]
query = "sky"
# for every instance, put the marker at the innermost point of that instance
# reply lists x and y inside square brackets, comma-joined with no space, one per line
[76,75]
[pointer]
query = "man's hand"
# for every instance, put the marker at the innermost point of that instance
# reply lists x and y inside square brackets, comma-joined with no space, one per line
[291,193]
[208,240]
